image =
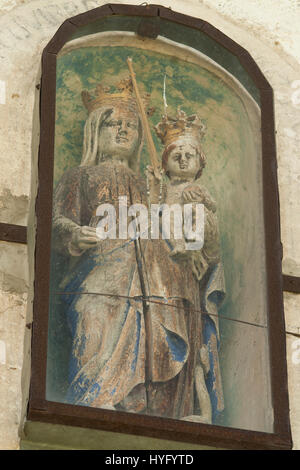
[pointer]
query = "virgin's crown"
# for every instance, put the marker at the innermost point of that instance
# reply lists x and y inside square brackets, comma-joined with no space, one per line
[123,95]
[171,129]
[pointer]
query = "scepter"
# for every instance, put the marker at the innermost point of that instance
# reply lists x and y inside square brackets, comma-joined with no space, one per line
[146,306]
[152,150]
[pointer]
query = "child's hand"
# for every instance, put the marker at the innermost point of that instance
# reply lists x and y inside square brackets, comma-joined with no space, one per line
[193,193]
[196,193]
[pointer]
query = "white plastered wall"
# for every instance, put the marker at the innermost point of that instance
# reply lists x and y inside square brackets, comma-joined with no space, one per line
[268,29]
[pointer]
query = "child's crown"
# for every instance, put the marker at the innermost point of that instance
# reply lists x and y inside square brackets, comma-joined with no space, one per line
[170,129]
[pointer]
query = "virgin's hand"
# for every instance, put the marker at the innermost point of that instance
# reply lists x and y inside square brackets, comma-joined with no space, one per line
[154,180]
[154,175]
[84,238]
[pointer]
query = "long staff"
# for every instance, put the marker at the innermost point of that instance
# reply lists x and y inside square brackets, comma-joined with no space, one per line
[139,253]
[152,150]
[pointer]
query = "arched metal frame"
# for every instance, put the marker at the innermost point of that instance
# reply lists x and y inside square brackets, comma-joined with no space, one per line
[218,436]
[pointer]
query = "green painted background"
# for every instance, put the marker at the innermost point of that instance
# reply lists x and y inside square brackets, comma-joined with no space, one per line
[83,68]
[191,37]
[230,174]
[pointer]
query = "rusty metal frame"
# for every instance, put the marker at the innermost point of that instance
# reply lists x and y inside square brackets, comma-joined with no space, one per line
[13,233]
[218,436]
[291,284]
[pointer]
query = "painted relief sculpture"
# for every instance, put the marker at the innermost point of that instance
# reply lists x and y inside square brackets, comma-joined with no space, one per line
[142,311]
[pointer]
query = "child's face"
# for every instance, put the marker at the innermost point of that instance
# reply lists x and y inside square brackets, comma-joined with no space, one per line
[183,161]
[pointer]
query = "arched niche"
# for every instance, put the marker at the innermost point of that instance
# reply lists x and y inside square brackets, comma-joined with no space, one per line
[192,65]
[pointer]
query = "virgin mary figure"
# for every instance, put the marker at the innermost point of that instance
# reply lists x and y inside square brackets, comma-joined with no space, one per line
[133,329]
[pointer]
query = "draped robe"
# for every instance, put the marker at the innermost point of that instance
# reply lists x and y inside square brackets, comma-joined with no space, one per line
[103,292]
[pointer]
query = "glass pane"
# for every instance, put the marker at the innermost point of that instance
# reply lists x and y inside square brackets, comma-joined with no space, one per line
[172,322]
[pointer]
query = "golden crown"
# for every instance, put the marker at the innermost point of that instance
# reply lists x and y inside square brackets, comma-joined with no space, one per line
[124,96]
[170,129]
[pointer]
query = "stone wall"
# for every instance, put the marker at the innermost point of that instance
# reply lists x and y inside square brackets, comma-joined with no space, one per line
[268,29]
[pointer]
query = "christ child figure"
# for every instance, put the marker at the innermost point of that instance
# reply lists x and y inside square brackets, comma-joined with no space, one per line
[183,161]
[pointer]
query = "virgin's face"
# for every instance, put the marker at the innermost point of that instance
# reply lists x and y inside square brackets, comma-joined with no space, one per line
[118,136]
[183,161]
